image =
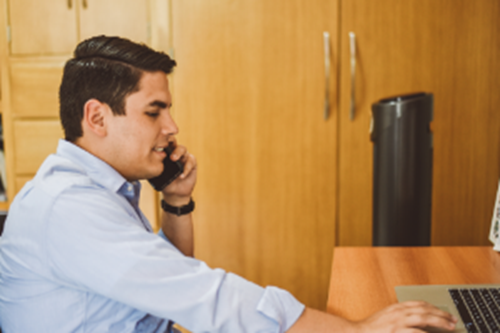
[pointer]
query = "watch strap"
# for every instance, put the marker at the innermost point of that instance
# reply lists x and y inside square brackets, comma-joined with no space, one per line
[182,210]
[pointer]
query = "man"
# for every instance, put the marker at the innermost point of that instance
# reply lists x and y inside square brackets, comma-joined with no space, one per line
[78,255]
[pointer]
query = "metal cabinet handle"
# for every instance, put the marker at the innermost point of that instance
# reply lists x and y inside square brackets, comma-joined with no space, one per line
[352,41]
[70,4]
[84,4]
[326,43]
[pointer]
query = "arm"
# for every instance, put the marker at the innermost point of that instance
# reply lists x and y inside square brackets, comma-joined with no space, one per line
[179,229]
[401,317]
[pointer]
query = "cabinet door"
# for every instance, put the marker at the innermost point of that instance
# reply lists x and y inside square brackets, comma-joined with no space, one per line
[249,96]
[124,18]
[448,48]
[42,26]
[34,86]
[33,141]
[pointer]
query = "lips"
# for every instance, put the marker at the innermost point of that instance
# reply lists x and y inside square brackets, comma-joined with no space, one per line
[160,152]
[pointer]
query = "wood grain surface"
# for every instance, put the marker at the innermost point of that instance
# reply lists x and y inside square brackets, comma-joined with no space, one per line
[363,278]
[248,96]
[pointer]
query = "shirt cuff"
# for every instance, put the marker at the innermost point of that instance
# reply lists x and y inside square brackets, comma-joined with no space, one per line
[281,306]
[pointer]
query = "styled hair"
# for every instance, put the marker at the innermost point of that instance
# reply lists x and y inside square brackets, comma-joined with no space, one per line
[107,69]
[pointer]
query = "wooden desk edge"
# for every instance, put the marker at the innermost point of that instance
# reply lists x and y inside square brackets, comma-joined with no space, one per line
[363,278]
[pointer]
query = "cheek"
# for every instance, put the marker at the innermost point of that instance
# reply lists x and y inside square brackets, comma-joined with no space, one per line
[144,142]
[136,137]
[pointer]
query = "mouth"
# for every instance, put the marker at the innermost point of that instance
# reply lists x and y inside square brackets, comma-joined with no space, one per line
[160,152]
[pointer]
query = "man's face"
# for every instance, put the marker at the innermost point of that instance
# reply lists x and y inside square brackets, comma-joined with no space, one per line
[137,138]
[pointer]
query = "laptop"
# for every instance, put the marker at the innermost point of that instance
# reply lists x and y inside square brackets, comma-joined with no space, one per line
[477,306]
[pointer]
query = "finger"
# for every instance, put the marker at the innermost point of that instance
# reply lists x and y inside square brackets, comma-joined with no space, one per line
[178,153]
[419,320]
[424,314]
[429,308]
[189,162]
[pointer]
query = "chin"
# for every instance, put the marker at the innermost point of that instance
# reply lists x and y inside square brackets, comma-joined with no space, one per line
[144,175]
[155,173]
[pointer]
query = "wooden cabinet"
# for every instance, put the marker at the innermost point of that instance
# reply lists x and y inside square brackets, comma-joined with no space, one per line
[249,96]
[34,85]
[56,26]
[448,48]
[125,18]
[278,185]
[42,27]
[37,37]
[34,140]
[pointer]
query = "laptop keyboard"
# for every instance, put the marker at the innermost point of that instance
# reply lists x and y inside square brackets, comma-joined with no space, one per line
[478,308]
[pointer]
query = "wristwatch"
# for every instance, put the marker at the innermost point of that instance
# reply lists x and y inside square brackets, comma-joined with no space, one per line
[183,210]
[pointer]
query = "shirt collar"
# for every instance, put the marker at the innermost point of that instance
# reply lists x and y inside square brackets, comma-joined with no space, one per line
[98,170]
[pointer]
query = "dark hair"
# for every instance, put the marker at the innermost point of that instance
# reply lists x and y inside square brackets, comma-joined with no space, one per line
[107,69]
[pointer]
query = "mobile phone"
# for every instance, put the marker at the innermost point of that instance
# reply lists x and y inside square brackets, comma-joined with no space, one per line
[171,170]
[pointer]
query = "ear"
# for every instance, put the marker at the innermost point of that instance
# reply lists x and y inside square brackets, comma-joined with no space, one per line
[94,117]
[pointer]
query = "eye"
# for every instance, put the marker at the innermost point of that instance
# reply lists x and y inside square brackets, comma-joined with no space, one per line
[152,114]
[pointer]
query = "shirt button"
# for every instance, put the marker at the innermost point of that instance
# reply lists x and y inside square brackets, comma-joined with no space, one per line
[129,188]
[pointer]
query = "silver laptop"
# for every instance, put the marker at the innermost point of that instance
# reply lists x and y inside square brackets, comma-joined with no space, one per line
[477,306]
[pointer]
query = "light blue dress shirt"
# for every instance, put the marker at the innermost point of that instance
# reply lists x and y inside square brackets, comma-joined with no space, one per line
[77,255]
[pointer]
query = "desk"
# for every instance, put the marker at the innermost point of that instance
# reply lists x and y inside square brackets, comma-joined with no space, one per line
[363,278]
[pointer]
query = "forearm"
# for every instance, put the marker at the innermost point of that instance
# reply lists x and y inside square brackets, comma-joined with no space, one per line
[179,229]
[313,320]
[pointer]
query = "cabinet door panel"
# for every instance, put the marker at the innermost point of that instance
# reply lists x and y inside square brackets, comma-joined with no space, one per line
[42,27]
[33,142]
[449,48]
[125,18]
[35,87]
[249,96]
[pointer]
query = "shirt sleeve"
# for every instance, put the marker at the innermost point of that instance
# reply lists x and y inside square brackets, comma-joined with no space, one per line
[96,243]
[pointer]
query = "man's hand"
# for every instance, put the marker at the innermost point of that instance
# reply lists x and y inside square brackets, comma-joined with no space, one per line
[178,193]
[407,317]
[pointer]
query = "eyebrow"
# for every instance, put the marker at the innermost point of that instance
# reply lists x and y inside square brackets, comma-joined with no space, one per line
[160,104]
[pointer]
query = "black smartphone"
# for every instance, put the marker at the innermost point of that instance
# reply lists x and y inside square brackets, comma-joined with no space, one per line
[171,170]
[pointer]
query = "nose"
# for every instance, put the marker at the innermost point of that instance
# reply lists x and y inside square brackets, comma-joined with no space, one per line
[168,125]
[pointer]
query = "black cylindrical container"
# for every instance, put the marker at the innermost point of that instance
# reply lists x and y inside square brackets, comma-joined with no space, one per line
[402,170]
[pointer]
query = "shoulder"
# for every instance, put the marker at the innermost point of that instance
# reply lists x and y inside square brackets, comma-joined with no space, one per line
[56,179]
[58,174]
